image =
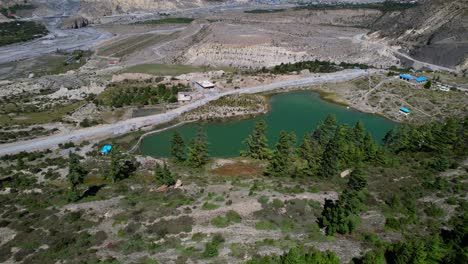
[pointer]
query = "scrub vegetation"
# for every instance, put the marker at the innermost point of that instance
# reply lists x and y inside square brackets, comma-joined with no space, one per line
[313,66]
[169,20]
[20,31]
[139,93]
[359,202]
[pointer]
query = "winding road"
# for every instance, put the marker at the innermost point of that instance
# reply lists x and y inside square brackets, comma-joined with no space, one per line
[125,126]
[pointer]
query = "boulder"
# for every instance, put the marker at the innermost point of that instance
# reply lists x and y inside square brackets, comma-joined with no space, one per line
[178,184]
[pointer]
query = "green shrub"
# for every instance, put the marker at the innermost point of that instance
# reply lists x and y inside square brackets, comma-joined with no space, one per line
[233,216]
[198,237]
[209,206]
[265,225]
[212,247]
[277,203]
[220,221]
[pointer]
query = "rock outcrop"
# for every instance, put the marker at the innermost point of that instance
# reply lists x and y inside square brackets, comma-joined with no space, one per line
[75,22]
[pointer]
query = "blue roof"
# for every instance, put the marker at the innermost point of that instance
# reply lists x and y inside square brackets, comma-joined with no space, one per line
[106,149]
[405,110]
[421,79]
[406,76]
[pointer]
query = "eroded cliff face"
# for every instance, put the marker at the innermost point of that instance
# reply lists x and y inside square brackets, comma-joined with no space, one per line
[107,7]
[436,31]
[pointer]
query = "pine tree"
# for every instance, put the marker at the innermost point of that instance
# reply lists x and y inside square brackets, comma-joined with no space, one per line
[76,174]
[198,150]
[357,180]
[283,157]
[257,143]
[120,167]
[358,133]
[178,147]
[163,175]
[310,153]
[330,163]
[325,130]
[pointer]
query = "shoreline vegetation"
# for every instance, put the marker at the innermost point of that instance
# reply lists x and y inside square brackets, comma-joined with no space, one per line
[134,146]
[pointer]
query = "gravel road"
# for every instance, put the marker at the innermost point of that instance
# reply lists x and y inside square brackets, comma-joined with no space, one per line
[125,126]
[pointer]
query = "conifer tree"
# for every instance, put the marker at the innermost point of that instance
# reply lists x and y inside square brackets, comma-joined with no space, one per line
[357,180]
[163,175]
[121,166]
[177,147]
[198,150]
[257,143]
[330,163]
[76,174]
[358,133]
[310,153]
[283,157]
[325,130]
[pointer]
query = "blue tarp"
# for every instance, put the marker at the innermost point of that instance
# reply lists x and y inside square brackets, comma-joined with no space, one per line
[406,77]
[405,110]
[421,79]
[106,149]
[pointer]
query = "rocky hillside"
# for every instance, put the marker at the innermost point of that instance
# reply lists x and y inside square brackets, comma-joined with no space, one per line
[75,22]
[435,31]
[108,7]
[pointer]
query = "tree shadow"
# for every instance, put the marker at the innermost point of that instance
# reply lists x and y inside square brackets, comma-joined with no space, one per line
[92,191]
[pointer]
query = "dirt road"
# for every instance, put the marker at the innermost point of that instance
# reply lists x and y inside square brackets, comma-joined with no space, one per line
[122,127]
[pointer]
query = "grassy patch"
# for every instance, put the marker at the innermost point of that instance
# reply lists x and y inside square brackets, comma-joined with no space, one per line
[39,117]
[265,225]
[386,6]
[209,206]
[238,169]
[230,218]
[169,20]
[19,31]
[60,63]
[129,45]
[170,69]
[264,11]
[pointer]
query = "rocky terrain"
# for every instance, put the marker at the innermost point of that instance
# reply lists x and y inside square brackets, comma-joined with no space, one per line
[435,31]
[75,22]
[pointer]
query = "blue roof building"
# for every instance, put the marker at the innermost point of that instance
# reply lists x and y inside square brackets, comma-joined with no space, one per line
[421,79]
[106,149]
[405,110]
[406,77]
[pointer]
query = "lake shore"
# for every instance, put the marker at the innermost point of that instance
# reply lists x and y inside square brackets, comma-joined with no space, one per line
[298,111]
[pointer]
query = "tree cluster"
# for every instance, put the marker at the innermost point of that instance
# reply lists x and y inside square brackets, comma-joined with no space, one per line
[342,216]
[121,165]
[298,255]
[313,66]
[257,143]
[446,138]
[327,151]
[163,175]
[196,155]
[19,31]
[449,246]
[123,94]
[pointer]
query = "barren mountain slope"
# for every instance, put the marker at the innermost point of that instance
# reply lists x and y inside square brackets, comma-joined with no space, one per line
[263,40]
[108,7]
[435,31]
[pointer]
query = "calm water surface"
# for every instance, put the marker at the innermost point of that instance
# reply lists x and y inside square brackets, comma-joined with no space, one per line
[294,111]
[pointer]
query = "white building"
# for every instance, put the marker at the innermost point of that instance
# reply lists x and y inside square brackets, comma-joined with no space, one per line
[205,84]
[184,97]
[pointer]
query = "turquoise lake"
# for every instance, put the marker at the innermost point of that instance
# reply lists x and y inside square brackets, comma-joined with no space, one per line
[299,111]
